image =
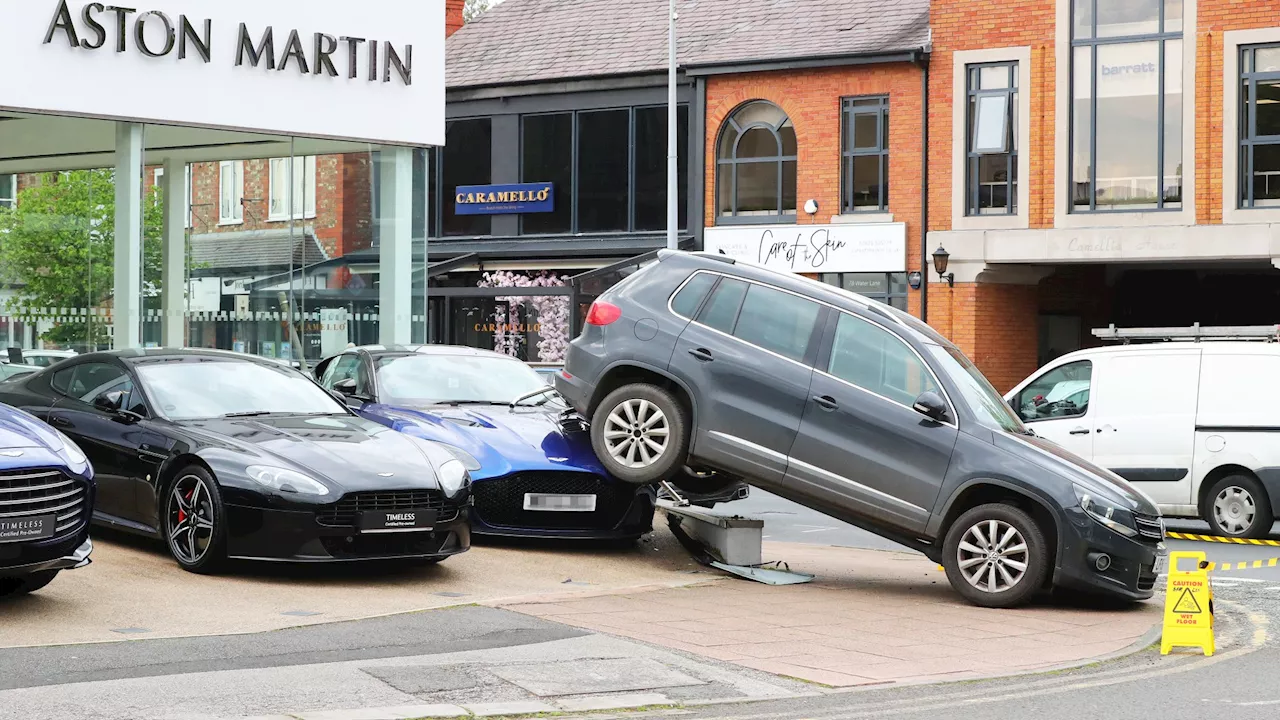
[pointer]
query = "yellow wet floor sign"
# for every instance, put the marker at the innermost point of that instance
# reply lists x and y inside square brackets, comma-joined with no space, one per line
[1188,606]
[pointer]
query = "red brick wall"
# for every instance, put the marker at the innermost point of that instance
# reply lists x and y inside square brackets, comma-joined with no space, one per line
[811,98]
[452,16]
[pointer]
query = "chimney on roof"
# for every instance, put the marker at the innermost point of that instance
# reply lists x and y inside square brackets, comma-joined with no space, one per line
[452,16]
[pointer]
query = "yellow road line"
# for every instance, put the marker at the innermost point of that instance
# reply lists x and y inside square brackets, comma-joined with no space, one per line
[1243,565]
[1217,539]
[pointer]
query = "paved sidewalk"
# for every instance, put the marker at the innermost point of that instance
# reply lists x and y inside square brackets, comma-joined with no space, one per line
[869,617]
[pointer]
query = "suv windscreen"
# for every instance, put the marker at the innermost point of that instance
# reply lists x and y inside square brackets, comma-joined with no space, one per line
[977,394]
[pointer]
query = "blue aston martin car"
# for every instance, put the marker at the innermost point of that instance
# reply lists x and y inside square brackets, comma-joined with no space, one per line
[532,468]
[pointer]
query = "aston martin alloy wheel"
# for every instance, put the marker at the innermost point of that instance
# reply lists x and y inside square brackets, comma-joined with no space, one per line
[193,521]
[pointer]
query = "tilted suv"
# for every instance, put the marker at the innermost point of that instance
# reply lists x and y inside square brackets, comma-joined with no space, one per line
[854,409]
[46,495]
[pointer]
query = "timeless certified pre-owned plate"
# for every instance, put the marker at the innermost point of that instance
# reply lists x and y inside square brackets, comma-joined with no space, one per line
[389,521]
[548,502]
[27,528]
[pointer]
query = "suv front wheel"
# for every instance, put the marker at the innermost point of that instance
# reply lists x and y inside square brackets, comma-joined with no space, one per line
[640,433]
[996,556]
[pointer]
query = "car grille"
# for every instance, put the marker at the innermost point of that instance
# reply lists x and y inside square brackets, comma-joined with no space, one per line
[500,501]
[31,493]
[344,512]
[1150,527]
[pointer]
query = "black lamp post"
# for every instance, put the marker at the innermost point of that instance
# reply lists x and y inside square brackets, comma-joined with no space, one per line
[940,259]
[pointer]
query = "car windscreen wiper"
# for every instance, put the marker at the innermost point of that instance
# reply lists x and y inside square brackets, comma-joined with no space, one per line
[470,402]
[532,394]
[247,413]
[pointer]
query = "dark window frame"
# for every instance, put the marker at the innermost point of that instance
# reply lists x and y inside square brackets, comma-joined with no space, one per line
[850,109]
[1247,130]
[973,184]
[886,298]
[1093,42]
[731,164]
[631,163]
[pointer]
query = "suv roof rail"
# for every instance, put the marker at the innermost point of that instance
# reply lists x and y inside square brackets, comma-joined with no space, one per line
[1196,333]
[719,256]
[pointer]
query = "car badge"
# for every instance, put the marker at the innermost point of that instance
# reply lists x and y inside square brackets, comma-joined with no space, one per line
[11,453]
[558,459]
[386,474]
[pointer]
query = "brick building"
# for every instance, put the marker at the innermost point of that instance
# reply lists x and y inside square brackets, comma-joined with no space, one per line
[1098,162]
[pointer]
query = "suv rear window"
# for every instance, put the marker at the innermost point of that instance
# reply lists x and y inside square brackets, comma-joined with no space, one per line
[721,311]
[777,321]
[687,301]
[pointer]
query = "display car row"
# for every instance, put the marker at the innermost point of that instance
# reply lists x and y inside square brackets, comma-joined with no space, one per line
[388,453]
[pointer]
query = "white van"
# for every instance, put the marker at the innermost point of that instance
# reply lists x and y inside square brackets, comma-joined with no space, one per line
[1195,425]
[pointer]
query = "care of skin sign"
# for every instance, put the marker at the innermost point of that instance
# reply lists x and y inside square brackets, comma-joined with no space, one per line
[858,247]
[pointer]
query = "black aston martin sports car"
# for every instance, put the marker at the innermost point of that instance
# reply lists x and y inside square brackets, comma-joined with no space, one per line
[223,455]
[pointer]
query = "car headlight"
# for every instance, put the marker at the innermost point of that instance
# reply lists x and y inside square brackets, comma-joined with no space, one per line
[454,477]
[72,453]
[468,460]
[285,480]
[1105,511]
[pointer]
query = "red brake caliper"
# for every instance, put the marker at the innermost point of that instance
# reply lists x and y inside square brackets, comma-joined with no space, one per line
[182,515]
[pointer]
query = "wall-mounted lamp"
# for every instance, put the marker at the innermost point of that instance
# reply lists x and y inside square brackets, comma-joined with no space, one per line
[940,260]
[811,207]
[915,280]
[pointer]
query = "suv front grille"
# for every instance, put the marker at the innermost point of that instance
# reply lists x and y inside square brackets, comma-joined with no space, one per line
[500,501]
[344,512]
[1150,527]
[32,493]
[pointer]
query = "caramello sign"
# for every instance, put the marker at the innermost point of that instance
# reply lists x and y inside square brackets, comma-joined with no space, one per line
[326,68]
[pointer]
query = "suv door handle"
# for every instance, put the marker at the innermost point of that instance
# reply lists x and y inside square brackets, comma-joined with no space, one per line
[1079,431]
[701,354]
[826,402]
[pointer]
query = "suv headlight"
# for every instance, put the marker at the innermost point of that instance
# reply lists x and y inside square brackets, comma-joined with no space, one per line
[71,452]
[454,477]
[285,480]
[1106,512]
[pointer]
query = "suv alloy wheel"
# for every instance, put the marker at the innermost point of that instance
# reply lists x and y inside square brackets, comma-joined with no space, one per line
[640,433]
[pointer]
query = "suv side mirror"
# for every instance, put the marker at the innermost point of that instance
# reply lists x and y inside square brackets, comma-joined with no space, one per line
[930,405]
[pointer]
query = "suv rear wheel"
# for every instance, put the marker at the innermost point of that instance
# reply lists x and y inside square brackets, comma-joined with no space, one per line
[995,556]
[640,433]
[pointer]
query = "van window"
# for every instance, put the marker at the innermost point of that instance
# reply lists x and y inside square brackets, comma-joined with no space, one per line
[1063,392]
[875,359]
[721,310]
[686,302]
[777,321]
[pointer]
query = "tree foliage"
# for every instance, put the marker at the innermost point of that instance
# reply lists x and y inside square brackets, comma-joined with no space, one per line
[57,248]
[474,9]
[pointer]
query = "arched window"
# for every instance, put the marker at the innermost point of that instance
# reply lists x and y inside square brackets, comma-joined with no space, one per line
[756,163]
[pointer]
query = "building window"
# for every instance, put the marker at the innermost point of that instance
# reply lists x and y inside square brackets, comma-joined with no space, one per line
[609,169]
[992,137]
[231,192]
[159,183]
[1259,126]
[468,160]
[293,182]
[864,175]
[1126,118]
[8,191]
[888,288]
[756,164]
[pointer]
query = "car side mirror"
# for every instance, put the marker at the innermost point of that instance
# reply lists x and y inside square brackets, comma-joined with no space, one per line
[110,401]
[931,405]
[346,391]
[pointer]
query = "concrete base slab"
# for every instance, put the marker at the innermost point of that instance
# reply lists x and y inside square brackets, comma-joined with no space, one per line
[585,677]
[613,702]
[526,707]
[425,679]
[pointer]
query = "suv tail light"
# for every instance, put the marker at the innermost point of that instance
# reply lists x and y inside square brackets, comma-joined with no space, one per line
[603,313]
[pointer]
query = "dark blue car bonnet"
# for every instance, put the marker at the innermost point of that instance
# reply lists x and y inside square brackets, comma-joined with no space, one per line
[502,439]
[26,443]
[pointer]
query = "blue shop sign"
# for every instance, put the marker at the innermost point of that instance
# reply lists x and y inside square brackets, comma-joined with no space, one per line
[505,199]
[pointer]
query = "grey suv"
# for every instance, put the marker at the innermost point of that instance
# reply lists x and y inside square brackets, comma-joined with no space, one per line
[856,410]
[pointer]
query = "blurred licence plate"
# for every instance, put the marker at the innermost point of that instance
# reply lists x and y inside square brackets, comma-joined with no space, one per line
[547,502]
[1162,564]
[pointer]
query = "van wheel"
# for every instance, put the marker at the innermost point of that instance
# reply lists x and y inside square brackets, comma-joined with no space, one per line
[996,556]
[640,433]
[1238,506]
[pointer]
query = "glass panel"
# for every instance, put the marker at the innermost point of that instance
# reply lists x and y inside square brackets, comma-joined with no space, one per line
[991,134]
[1060,393]
[994,187]
[1267,113]
[8,191]
[603,165]
[759,112]
[1173,16]
[993,77]
[651,167]
[758,188]
[547,156]
[468,160]
[1266,59]
[1173,124]
[898,283]
[1128,125]
[1266,175]
[1081,126]
[531,328]
[866,182]
[1128,17]
[866,134]
[728,136]
[789,187]
[724,189]
[721,310]
[874,359]
[788,134]
[759,142]
[1083,12]
[686,302]
[866,283]
[777,321]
